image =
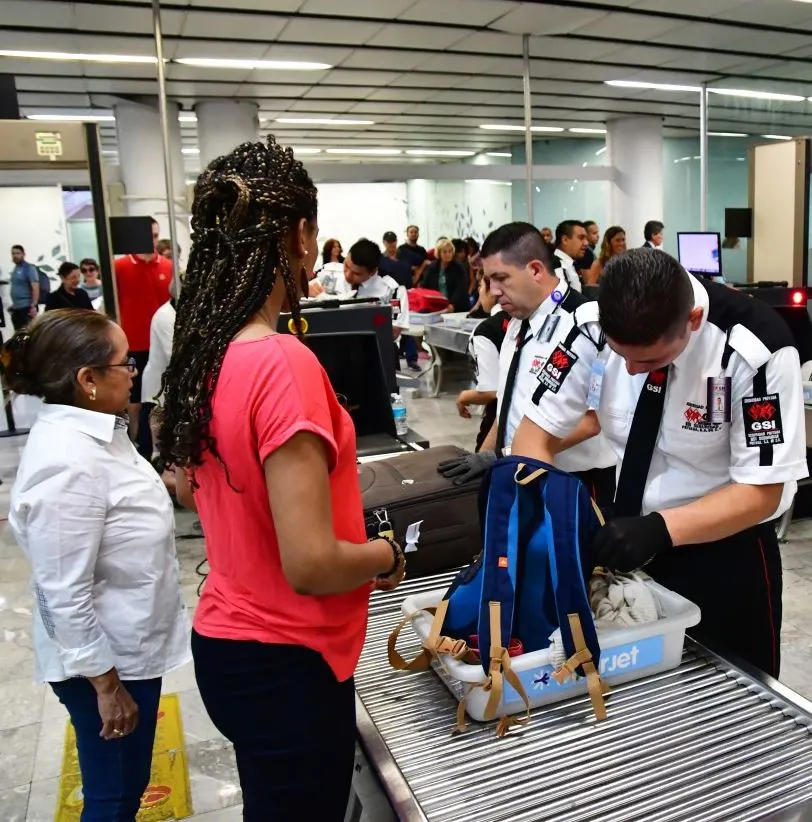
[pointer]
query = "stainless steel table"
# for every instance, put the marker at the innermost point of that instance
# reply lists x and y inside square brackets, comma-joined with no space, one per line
[436,336]
[707,741]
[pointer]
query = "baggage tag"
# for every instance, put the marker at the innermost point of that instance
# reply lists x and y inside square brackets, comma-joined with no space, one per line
[596,384]
[412,537]
[545,335]
[719,399]
[328,283]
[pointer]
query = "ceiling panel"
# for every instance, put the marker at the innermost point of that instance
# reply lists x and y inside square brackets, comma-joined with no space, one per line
[386,9]
[529,19]
[239,26]
[418,37]
[345,32]
[461,12]
[767,13]
[384,58]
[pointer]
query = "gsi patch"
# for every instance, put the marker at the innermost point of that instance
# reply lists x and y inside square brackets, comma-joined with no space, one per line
[555,370]
[762,421]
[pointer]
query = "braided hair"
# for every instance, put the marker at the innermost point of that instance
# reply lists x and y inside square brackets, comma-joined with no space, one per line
[245,204]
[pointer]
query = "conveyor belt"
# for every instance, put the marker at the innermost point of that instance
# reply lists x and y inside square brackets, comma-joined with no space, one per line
[704,742]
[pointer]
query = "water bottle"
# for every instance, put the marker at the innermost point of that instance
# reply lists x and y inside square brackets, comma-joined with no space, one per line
[399,413]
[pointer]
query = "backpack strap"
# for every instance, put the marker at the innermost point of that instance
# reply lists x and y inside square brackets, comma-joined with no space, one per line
[596,687]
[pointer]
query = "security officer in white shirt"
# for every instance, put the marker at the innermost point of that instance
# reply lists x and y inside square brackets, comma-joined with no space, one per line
[571,244]
[545,312]
[699,392]
[358,276]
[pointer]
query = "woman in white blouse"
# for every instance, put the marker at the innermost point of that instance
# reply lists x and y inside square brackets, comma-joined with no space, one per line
[97,525]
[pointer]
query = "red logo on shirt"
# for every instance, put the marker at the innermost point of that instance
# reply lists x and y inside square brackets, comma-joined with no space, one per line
[657,377]
[692,415]
[559,359]
[761,411]
[505,324]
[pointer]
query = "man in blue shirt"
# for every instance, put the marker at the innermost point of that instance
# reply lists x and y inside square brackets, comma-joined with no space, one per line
[24,289]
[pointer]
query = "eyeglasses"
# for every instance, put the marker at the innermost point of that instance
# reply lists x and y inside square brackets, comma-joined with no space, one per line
[130,365]
[85,269]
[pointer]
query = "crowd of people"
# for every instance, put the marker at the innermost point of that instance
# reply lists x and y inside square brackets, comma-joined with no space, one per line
[259,445]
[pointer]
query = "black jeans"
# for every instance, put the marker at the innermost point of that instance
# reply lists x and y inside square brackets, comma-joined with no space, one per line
[737,582]
[20,317]
[292,724]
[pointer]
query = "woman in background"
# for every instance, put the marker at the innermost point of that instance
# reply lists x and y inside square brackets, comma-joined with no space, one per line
[98,528]
[614,243]
[91,281]
[69,294]
[331,253]
[266,454]
[448,277]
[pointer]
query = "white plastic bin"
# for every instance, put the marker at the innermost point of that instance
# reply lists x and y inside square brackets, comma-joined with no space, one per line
[626,654]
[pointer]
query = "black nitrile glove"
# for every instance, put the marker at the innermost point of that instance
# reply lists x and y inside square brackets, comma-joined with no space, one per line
[628,543]
[468,467]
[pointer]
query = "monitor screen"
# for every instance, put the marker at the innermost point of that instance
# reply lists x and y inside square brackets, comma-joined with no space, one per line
[700,252]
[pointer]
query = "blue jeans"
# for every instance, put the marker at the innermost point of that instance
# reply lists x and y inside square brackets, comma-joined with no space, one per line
[292,724]
[115,772]
[409,349]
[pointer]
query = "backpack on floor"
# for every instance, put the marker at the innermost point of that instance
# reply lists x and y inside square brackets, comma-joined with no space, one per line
[530,579]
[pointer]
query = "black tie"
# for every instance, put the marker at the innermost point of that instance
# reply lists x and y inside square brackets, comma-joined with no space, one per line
[640,445]
[504,411]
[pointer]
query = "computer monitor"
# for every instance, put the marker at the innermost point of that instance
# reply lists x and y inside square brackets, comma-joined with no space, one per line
[700,252]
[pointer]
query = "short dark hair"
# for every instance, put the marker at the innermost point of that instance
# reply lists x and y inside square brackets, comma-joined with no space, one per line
[518,243]
[410,227]
[66,269]
[18,248]
[44,358]
[459,245]
[390,237]
[589,223]
[651,228]
[567,229]
[645,295]
[366,254]
[88,261]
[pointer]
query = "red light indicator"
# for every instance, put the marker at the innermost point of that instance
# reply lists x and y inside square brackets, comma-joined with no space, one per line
[798,298]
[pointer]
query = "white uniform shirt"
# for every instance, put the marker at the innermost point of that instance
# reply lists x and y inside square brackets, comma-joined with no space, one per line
[161,334]
[486,359]
[592,453]
[565,269]
[385,289]
[693,456]
[97,525]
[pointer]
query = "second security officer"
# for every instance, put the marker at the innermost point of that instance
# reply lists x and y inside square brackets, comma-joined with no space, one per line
[545,312]
[699,393]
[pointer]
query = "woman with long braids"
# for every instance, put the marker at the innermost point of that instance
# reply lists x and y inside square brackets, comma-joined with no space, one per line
[266,454]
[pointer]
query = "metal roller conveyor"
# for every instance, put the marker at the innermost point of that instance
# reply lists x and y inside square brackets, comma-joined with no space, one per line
[707,741]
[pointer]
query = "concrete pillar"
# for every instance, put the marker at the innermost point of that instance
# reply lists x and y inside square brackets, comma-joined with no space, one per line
[140,149]
[224,124]
[635,149]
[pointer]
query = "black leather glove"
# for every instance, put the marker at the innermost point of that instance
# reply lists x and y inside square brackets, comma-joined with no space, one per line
[628,543]
[468,467]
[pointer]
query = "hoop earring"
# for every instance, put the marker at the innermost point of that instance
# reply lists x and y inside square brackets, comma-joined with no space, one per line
[93,394]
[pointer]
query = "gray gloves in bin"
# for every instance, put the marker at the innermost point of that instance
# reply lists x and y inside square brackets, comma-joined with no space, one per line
[468,467]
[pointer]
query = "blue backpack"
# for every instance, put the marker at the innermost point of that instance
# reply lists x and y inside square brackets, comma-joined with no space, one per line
[530,579]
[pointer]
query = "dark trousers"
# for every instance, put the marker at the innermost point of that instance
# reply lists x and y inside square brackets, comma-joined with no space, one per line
[115,772]
[292,724]
[409,345]
[488,419]
[601,484]
[737,582]
[20,317]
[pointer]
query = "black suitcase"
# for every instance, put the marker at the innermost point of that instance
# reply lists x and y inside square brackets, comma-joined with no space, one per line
[409,489]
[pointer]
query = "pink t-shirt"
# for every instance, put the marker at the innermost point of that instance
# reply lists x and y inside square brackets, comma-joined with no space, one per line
[269,390]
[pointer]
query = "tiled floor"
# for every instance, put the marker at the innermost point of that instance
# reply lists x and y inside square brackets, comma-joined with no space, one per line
[32,722]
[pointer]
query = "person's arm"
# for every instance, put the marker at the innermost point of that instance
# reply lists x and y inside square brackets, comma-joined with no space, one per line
[183,490]
[314,562]
[473,397]
[486,358]
[161,334]
[587,428]
[419,271]
[33,277]
[592,274]
[531,440]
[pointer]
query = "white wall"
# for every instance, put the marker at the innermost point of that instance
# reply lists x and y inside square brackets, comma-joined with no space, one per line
[350,211]
[33,217]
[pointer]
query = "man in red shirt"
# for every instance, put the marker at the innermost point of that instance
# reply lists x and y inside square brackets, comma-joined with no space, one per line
[142,284]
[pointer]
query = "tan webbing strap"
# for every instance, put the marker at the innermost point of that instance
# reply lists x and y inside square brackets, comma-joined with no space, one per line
[598,512]
[595,685]
[421,662]
[494,683]
[508,722]
[530,477]
[570,666]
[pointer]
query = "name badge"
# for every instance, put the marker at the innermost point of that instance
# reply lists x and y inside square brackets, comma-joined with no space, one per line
[328,283]
[719,399]
[596,385]
[548,328]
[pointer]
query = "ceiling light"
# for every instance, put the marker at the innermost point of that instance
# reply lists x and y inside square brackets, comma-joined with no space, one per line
[776,137]
[600,151]
[587,130]
[431,152]
[187,118]
[90,58]
[726,134]
[72,118]
[372,152]
[498,154]
[510,127]
[323,121]
[758,95]
[490,182]
[305,150]
[657,86]
[249,65]
[190,151]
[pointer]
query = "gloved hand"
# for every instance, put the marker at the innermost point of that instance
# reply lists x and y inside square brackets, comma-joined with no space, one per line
[468,467]
[628,543]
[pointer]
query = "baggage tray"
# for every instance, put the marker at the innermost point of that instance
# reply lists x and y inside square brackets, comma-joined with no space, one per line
[626,654]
